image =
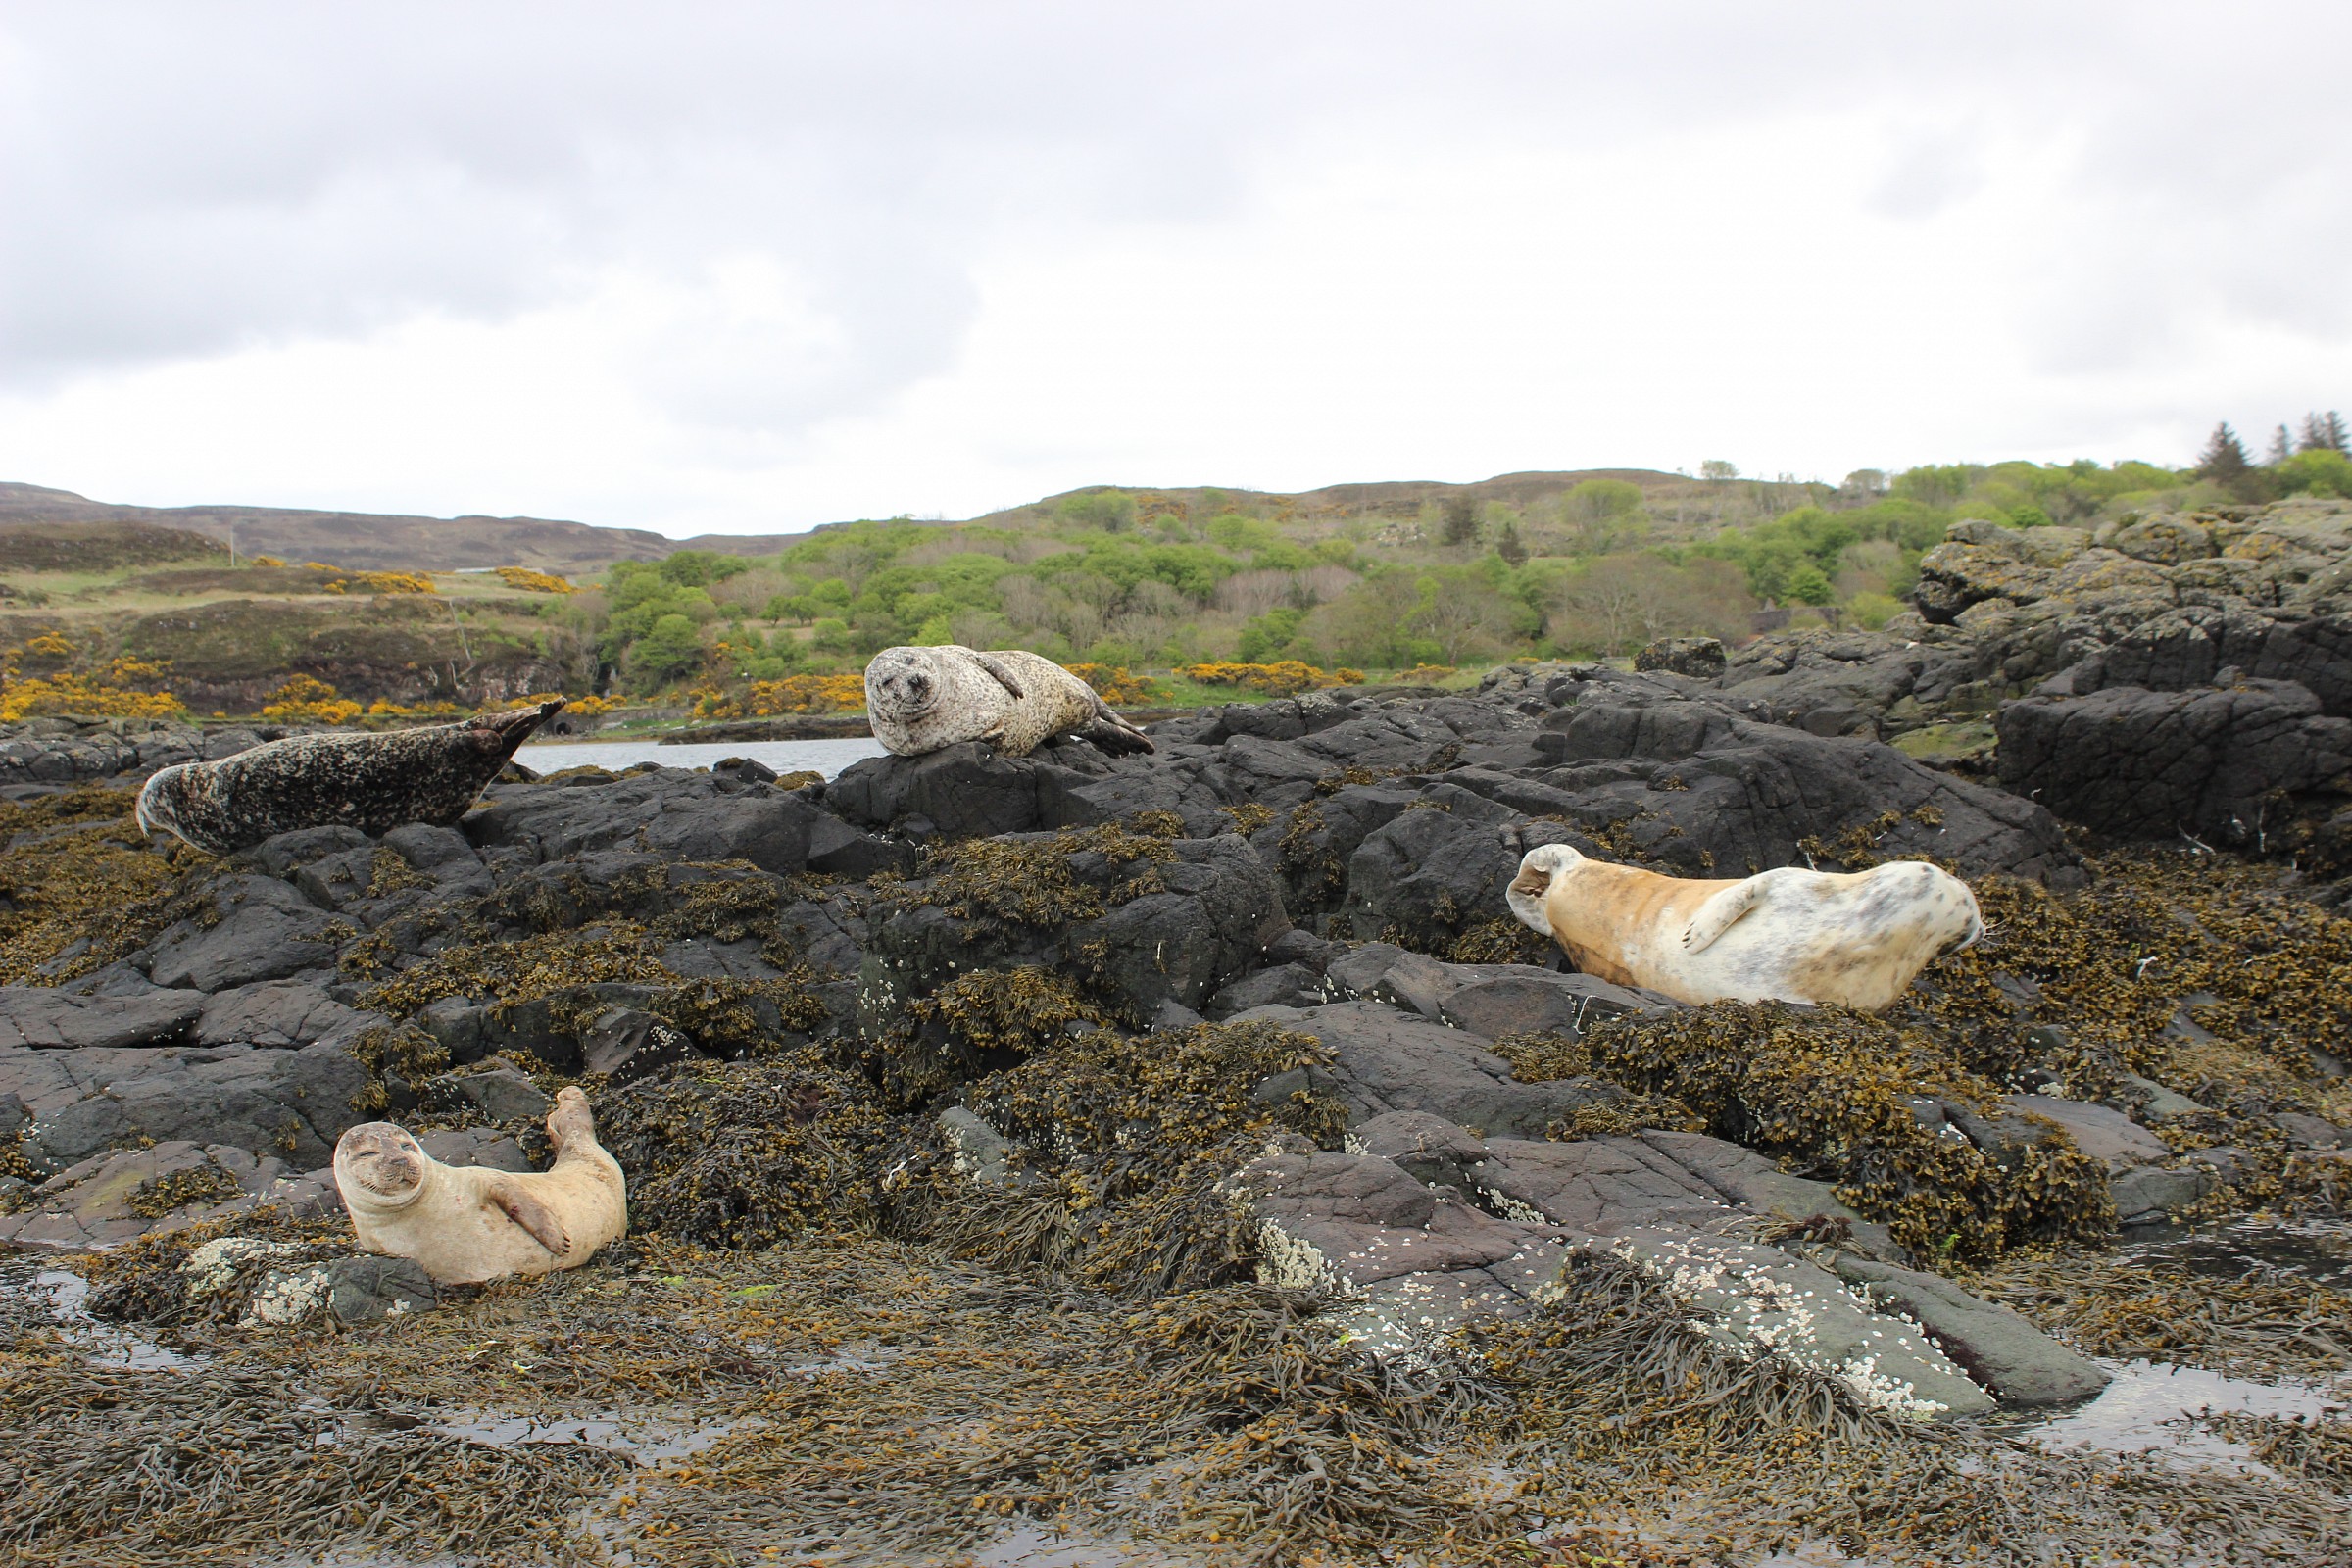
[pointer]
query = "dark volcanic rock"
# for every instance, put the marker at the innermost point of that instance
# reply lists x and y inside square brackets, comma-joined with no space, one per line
[1700,657]
[266,930]
[666,812]
[1687,783]
[1387,1061]
[289,1104]
[367,1289]
[47,1020]
[2238,766]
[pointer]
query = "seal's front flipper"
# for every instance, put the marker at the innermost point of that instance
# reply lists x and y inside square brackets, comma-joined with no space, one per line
[527,1211]
[1002,671]
[1719,914]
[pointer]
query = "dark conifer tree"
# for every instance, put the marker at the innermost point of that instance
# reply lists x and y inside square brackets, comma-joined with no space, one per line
[1507,544]
[1462,519]
[2324,432]
[2223,459]
[2282,447]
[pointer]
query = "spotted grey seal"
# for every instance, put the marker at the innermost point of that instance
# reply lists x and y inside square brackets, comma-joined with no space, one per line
[372,782]
[465,1224]
[1793,935]
[921,699]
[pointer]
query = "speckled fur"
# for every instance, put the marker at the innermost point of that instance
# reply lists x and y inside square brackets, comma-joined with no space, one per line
[372,782]
[1858,939]
[465,1224]
[924,699]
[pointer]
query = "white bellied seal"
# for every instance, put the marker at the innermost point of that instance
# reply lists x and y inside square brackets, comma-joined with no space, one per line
[372,782]
[465,1224]
[1857,940]
[924,699]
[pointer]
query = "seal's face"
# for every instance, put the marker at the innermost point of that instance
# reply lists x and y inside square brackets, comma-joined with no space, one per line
[905,681]
[155,796]
[382,1161]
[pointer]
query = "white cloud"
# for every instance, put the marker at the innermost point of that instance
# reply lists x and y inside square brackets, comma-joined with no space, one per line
[753,267]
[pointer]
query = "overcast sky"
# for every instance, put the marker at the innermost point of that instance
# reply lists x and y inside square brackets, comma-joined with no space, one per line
[752,266]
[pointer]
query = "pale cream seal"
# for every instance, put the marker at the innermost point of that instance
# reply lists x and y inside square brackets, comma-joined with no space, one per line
[1793,935]
[466,1224]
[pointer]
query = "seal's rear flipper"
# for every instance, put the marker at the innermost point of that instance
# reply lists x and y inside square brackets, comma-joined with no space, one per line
[1719,914]
[1116,735]
[529,1212]
[499,734]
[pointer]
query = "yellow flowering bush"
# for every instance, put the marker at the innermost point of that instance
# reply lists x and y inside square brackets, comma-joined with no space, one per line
[1113,684]
[305,700]
[1286,678]
[792,694]
[534,582]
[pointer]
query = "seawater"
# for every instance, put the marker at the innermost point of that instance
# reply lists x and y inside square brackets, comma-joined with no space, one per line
[828,757]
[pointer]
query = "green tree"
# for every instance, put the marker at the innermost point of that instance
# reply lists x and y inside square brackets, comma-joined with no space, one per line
[2318,472]
[2282,447]
[1807,585]
[1458,519]
[670,650]
[1111,511]
[1508,545]
[2223,459]
[1718,470]
[2324,432]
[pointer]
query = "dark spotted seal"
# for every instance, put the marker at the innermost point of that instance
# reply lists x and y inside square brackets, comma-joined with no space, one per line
[921,699]
[372,782]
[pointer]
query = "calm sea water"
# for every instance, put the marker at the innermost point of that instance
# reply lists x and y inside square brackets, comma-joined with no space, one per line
[828,758]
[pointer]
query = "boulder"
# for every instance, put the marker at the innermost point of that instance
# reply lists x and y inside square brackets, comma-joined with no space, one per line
[42,1018]
[265,930]
[2242,766]
[1386,1061]
[1699,657]
[280,1104]
[501,1095]
[666,812]
[282,1014]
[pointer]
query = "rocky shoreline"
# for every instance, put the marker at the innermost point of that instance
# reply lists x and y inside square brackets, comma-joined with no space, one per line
[1239,1036]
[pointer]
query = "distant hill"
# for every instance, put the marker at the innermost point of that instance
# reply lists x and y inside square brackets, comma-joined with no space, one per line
[388,542]
[362,540]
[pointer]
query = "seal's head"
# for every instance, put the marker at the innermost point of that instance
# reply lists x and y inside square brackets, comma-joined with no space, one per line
[1537,871]
[380,1165]
[158,799]
[905,683]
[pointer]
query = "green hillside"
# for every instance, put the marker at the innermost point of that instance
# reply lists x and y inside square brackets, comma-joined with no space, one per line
[1379,577]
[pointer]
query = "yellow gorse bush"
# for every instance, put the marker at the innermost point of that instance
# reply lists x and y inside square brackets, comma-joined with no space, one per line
[1113,684]
[792,694]
[1286,678]
[306,700]
[86,696]
[534,582]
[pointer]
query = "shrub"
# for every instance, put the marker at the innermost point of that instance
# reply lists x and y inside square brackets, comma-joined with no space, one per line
[1287,678]
[534,582]
[1113,684]
[305,700]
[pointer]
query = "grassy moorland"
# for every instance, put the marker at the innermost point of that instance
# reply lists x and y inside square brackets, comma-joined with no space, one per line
[1375,579]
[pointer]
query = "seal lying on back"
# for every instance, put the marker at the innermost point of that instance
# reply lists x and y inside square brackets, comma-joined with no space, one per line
[1790,935]
[924,699]
[372,782]
[465,1224]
